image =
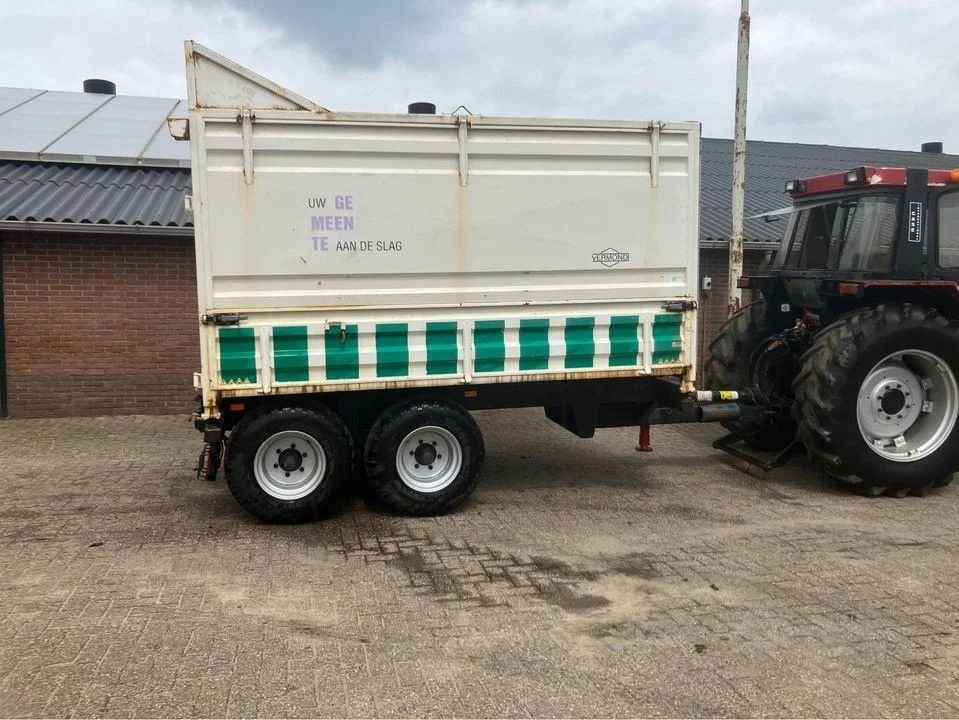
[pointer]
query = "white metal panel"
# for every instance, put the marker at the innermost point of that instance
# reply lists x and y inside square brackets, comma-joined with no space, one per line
[217,81]
[529,223]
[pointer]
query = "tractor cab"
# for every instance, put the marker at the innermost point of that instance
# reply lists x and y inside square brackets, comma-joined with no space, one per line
[865,231]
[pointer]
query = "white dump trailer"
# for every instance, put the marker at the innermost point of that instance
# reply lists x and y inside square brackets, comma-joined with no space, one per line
[365,280]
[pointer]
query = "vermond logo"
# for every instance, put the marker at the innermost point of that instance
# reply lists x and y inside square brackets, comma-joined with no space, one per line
[610,257]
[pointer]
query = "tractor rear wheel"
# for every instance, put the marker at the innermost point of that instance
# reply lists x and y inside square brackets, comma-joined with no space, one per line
[732,365]
[877,399]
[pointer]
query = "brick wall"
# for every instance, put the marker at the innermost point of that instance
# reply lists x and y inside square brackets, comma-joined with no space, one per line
[713,304]
[99,324]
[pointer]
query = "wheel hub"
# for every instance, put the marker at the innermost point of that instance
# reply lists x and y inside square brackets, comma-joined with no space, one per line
[893,402]
[907,405]
[289,465]
[429,459]
[290,460]
[425,454]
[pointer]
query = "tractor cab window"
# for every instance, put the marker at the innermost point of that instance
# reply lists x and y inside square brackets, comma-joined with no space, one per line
[856,233]
[949,230]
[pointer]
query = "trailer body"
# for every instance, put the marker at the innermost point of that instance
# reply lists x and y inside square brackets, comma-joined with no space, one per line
[358,251]
[364,280]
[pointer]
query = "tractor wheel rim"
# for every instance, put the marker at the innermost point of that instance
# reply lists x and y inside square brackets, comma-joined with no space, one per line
[907,405]
[429,459]
[289,465]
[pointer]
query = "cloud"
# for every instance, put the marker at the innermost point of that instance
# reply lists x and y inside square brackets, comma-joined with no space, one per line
[865,73]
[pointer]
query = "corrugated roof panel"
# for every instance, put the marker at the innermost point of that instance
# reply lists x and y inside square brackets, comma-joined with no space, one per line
[94,194]
[35,124]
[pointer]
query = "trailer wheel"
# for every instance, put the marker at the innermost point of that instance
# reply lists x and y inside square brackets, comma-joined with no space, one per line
[290,464]
[729,367]
[877,399]
[424,457]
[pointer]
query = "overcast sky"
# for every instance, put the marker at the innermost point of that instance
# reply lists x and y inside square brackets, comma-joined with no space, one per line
[872,73]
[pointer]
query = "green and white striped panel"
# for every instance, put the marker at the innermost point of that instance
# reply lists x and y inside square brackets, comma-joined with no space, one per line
[571,343]
[363,352]
[237,356]
[302,354]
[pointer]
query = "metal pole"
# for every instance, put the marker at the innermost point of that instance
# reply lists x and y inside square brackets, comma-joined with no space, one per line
[739,163]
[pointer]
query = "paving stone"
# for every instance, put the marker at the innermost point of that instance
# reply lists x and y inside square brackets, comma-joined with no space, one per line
[582,579]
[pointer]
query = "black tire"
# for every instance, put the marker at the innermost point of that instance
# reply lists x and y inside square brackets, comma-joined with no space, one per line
[389,432]
[255,429]
[727,368]
[828,385]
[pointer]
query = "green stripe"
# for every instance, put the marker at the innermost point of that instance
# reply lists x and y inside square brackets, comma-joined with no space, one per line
[490,344]
[667,338]
[624,340]
[534,344]
[392,350]
[342,348]
[441,350]
[291,354]
[580,347]
[237,355]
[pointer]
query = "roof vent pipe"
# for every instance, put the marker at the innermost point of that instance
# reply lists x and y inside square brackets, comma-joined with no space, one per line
[99,87]
[932,147]
[421,108]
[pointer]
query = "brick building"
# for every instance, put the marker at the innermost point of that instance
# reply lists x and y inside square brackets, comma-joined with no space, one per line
[98,301]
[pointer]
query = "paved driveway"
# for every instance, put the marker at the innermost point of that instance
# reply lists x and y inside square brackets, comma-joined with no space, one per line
[582,579]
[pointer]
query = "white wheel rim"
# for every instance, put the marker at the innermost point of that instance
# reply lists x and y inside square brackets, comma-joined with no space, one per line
[907,405]
[289,465]
[429,459]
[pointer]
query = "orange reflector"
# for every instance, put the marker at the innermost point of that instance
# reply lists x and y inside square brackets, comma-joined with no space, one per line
[470,393]
[744,283]
[848,288]
[237,407]
[954,175]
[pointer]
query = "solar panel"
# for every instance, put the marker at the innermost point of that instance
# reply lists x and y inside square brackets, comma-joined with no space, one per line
[89,127]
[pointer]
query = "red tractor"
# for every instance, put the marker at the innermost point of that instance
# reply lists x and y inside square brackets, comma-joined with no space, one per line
[853,349]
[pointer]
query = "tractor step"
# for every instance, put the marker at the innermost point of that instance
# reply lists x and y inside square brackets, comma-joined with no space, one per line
[727,443]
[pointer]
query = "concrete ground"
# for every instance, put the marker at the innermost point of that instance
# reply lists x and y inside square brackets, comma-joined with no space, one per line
[582,579]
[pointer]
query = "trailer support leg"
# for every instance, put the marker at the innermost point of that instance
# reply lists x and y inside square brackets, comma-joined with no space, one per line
[644,445]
